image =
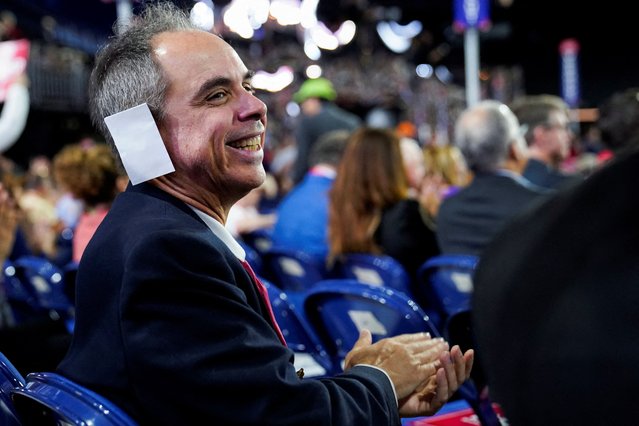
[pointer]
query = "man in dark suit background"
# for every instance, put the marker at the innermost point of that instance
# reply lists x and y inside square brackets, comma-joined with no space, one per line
[172,325]
[489,138]
[545,120]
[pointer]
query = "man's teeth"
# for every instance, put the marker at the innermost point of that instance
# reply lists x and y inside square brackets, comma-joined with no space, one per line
[252,144]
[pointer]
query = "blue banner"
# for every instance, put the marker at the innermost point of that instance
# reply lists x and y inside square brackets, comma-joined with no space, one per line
[471,13]
[570,85]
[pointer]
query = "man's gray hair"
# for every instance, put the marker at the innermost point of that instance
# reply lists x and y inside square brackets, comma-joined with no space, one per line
[484,133]
[125,73]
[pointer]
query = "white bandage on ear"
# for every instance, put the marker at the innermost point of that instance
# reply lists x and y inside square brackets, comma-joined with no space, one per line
[139,143]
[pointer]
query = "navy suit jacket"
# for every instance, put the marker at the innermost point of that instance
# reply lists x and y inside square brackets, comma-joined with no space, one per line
[545,176]
[171,328]
[468,220]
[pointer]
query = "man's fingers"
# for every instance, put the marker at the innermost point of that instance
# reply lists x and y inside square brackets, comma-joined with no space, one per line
[459,363]
[442,392]
[469,359]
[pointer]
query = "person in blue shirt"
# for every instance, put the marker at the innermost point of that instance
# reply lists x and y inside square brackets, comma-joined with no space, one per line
[302,216]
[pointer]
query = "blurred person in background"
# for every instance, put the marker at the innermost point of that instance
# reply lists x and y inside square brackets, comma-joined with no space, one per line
[618,123]
[40,225]
[545,121]
[302,215]
[319,115]
[90,174]
[446,173]
[488,136]
[370,209]
[413,159]
[246,215]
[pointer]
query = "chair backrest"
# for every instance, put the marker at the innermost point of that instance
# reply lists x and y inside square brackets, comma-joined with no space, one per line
[10,378]
[373,269]
[447,281]
[45,281]
[293,270]
[58,400]
[310,354]
[19,296]
[260,240]
[339,308]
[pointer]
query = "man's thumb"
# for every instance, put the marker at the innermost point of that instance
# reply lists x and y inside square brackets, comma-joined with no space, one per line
[365,339]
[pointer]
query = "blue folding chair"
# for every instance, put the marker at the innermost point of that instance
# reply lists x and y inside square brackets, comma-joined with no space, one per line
[293,271]
[44,289]
[17,295]
[300,337]
[339,308]
[48,398]
[10,379]
[447,281]
[373,269]
[260,240]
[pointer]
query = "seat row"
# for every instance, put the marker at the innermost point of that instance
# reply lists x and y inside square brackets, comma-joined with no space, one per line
[320,324]
[442,287]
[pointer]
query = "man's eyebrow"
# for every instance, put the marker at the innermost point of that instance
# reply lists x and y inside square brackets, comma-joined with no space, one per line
[211,83]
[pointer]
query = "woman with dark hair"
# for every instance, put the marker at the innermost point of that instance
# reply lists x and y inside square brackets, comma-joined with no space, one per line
[370,210]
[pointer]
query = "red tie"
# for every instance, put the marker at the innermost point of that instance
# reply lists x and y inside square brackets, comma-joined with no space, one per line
[264,293]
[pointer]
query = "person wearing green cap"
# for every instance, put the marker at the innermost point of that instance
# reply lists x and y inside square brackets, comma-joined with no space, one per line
[319,115]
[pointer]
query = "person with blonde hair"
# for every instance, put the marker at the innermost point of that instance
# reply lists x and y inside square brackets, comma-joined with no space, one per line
[446,173]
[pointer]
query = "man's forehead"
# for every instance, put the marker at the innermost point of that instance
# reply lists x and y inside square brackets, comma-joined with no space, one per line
[186,51]
[176,42]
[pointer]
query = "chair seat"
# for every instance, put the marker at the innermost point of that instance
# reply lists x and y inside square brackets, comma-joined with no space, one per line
[10,379]
[49,396]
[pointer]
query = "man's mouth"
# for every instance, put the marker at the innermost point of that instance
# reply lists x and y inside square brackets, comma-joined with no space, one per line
[250,144]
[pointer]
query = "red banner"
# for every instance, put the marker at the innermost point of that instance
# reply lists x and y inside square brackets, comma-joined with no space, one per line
[13,63]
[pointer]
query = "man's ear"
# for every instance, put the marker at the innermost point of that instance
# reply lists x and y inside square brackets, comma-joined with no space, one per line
[518,153]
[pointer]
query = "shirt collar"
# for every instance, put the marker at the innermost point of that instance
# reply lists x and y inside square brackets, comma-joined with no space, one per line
[323,170]
[222,233]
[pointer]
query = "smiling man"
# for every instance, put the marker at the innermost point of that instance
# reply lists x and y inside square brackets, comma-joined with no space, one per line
[171,323]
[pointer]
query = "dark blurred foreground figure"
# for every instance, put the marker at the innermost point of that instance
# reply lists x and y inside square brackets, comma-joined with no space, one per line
[172,325]
[619,120]
[556,306]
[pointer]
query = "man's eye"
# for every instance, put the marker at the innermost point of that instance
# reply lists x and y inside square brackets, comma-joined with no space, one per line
[216,96]
[249,88]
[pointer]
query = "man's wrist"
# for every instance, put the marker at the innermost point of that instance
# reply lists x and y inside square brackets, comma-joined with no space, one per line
[385,374]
